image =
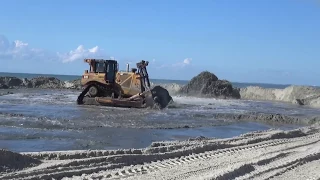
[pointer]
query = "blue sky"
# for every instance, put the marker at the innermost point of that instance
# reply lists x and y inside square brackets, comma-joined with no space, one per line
[268,41]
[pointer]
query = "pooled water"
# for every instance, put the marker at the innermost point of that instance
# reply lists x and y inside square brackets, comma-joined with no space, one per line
[35,120]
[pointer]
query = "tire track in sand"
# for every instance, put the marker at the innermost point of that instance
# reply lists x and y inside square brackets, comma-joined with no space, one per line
[193,158]
[221,153]
[179,158]
[230,170]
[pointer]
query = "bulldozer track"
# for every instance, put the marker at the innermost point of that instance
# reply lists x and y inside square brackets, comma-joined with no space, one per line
[118,165]
[101,89]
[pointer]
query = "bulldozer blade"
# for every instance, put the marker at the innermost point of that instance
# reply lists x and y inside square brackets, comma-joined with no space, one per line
[119,102]
[108,101]
[157,97]
[149,101]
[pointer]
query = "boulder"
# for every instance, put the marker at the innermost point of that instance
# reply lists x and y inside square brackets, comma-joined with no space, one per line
[10,82]
[207,84]
[46,82]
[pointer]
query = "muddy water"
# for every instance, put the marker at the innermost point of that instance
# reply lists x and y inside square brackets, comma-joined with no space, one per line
[35,120]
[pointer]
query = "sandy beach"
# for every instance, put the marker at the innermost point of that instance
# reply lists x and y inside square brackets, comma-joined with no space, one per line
[270,154]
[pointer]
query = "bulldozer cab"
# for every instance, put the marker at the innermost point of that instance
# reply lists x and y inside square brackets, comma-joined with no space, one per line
[107,67]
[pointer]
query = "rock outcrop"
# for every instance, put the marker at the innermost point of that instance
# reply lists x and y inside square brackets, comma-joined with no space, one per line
[302,95]
[38,82]
[10,82]
[207,84]
[46,82]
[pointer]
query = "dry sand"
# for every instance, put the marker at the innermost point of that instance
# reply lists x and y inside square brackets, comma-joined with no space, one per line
[271,154]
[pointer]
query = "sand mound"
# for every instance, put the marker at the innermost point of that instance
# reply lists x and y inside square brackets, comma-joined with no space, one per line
[207,84]
[302,95]
[256,155]
[10,161]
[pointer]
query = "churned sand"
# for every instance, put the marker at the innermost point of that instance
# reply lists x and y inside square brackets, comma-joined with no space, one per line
[272,154]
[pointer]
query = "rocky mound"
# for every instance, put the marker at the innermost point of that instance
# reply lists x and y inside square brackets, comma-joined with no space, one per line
[10,161]
[207,84]
[10,82]
[38,82]
[46,82]
[302,95]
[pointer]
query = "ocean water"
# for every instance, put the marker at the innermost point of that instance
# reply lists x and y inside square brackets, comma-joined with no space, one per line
[162,81]
[49,119]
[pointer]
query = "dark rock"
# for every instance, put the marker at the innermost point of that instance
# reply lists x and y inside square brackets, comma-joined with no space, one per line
[27,83]
[161,97]
[46,82]
[3,86]
[207,84]
[10,82]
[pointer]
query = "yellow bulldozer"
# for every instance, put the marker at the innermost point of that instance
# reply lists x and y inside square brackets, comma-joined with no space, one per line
[104,84]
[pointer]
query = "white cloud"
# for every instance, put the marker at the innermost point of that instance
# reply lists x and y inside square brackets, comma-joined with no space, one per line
[19,50]
[20,44]
[80,53]
[181,64]
[22,51]
[187,60]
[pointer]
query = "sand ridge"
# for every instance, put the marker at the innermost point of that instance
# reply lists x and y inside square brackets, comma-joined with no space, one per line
[256,155]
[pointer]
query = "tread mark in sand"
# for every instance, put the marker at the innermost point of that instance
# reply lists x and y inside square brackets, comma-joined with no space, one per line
[209,154]
[157,165]
[287,166]
[237,149]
